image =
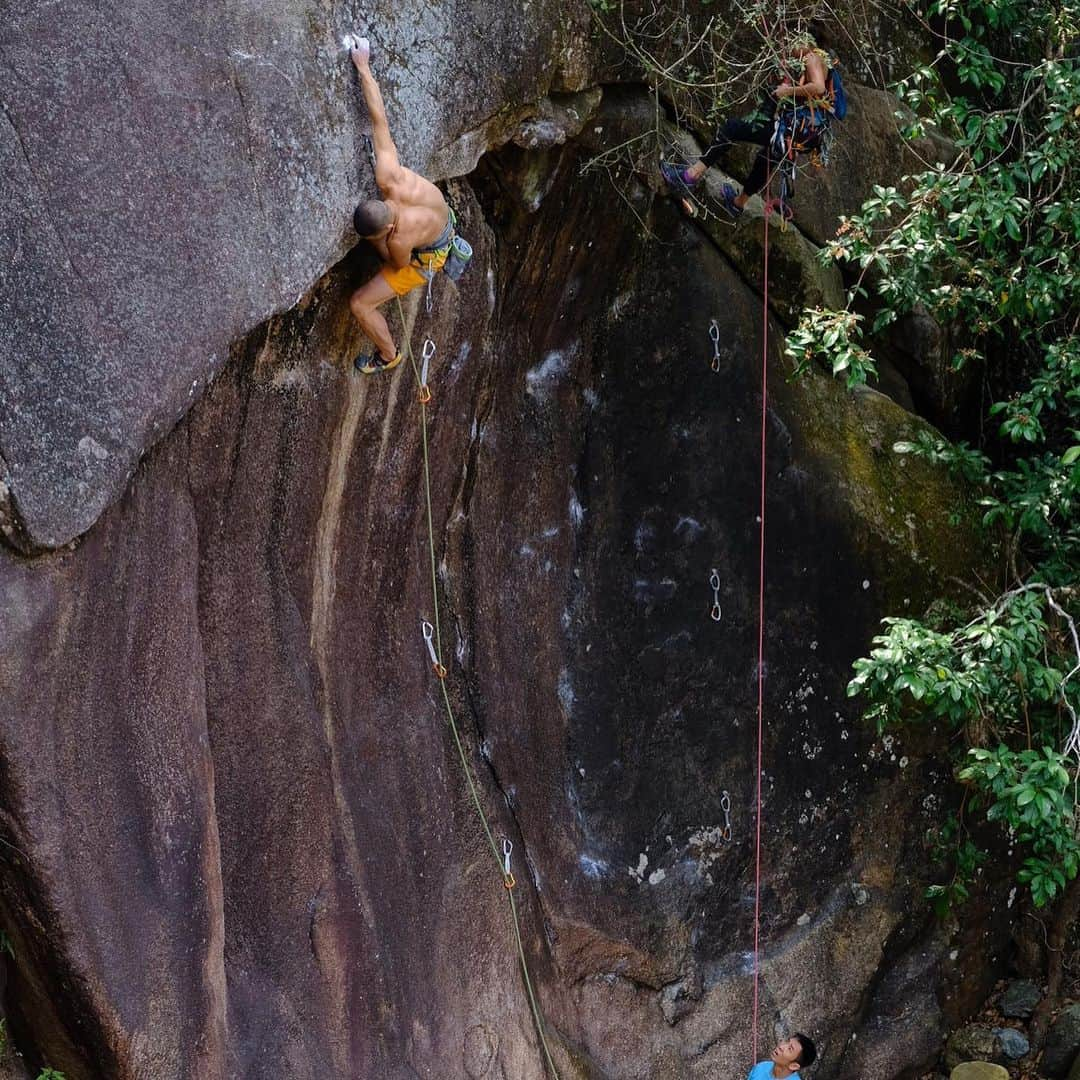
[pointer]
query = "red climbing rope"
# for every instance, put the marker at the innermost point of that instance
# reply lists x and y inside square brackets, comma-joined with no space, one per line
[761,636]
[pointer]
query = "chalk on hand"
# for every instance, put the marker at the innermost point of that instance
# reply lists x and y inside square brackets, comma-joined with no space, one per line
[360,44]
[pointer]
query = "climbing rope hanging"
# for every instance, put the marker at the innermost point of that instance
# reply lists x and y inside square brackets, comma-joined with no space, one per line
[761,610]
[761,639]
[433,640]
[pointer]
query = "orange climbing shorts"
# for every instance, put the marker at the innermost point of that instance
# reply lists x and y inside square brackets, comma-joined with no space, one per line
[412,277]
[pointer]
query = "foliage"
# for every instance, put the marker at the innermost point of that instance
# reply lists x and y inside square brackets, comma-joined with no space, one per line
[50,1074]
[1030,793]
[989,246]
[699,55]
[1000,679]
[963,462]
[991,668]
[831,335]
[948,845]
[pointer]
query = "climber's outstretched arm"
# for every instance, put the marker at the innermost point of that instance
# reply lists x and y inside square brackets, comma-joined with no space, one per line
[387,165]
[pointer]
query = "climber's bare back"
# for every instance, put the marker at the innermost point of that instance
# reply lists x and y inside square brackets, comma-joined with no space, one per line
[422,212]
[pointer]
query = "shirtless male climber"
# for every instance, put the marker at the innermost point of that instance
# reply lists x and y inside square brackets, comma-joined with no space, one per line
[411,228]
[758,127]
[787,1059]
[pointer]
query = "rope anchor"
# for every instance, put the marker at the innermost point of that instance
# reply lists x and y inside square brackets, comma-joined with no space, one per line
[714,580]
[714,333]
[429,352]
[508,877]
[725,805]
[429,640]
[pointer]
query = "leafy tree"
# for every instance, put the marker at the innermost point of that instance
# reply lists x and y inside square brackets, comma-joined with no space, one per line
[990,247]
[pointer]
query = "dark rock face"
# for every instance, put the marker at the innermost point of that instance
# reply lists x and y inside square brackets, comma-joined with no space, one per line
[237,841]
[1062,1043]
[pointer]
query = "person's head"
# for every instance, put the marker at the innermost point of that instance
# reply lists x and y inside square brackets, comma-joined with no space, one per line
[372,219]
[797,1052]
[795,42]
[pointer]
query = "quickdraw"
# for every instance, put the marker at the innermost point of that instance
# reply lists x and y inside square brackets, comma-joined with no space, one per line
[508,877]
[714,334]
[725,805]
[426,356]
[429,635]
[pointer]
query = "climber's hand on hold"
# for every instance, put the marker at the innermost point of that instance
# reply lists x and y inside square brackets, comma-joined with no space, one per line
[360,53]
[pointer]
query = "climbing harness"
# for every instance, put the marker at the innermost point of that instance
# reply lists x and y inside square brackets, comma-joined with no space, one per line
[714,581]
[714,334]
[432,633]
[725,805]
[805,129]
[424,393]
[436,255]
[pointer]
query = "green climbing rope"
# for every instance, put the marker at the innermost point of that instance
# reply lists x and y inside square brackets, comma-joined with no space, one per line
[507,879]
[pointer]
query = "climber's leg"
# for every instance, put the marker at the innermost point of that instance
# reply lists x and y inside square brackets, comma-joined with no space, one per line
[759,174]
[364,304]
[756,128]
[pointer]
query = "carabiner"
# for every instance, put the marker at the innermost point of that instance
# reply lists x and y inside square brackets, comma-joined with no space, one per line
[429,640]
[426,357]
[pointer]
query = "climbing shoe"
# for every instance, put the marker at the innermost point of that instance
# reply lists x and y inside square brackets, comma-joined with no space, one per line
[372,363]
[727,198]
[676,178]
[680,186]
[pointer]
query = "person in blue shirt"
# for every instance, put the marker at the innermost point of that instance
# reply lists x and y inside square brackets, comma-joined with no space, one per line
[787,1058]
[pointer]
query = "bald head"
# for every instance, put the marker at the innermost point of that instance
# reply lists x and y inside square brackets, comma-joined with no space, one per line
[372,217]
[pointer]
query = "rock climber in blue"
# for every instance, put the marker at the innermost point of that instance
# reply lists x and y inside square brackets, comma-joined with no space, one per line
[787,1058]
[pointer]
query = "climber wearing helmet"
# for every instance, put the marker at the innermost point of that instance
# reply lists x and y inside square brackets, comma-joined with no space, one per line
[799,53]
[411,228]
[787,1059]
